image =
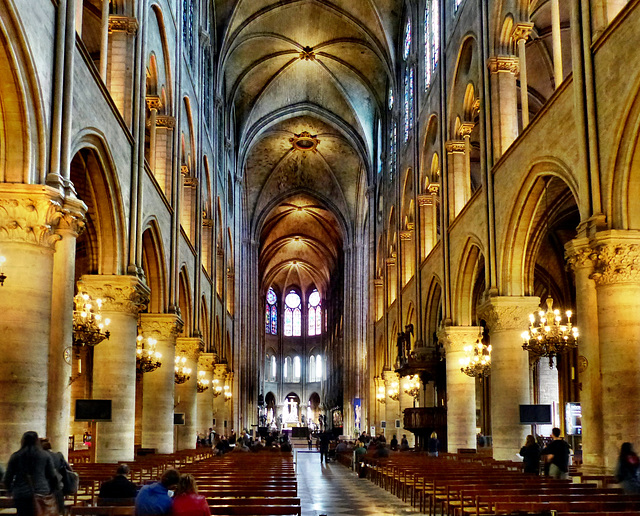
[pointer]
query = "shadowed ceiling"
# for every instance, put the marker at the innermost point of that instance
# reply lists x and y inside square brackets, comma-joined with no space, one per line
[291,67]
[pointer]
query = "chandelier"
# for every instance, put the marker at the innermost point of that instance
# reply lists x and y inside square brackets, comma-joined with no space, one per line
[380,395]
[183,373]
[411,386]
[202,384]
[477,362]
[227,393]
[88,324]
[394,391]
[217,388]
[548,336]
[147,358]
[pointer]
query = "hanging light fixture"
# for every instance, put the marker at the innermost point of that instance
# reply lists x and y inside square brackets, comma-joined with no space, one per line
[88,324]
[217,388]
[183,373]
[380,394]
[202,384]
[547,335]
[227,393]
[147,358]
[477,362]
[394,391]
[411,386]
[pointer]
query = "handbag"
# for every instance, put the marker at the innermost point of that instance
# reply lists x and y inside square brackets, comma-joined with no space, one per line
[45,505]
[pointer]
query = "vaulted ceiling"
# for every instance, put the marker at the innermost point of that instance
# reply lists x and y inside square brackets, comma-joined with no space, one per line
[307,81]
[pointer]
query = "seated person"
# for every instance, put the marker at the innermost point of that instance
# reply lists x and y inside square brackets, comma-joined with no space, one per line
[118,487]
[342,447]
[187,501]
[154,499]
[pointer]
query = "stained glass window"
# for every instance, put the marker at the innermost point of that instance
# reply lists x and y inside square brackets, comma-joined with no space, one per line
[292,315]
[408,102]
[435,34]
[391,99]
[207,82]
[287,368]
[187,28]
[407,40]
[271,313]
[393,136]
[312,368]
[296,369]
[273,368]
[457,5]
[318,368]
[315,313]
[427,45]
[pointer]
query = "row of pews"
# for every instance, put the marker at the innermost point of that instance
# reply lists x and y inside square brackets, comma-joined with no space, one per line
[460,485]
[237,483]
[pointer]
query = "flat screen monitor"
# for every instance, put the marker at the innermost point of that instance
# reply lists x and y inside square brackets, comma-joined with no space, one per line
[178,418]
[93,410]
[535,414]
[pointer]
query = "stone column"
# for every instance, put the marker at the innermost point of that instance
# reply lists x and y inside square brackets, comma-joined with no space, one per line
[461,389]
[104,40]
[406,401]
[457,172]
[205,399]
[71,224]
[557,42]
[507,318]
[617,278]
[220,411]
[114,361]
[580,258]
[28,217]
[122,31]
[153,105]
[190,348]
[391,407]
[520,34]
[504,102]
[158,386]
[392,280]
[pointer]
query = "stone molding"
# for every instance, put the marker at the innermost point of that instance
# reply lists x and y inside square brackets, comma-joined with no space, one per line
[455,338]
[391,262]
[161,326]
[191,347]
[406,235]
[455,146]
[508,64]
[506,313]
[378,283]
[207,223]
[123,24]
[127,294]
[190,182]
[206,362]
[425,200]
[220,371]
[616,262]
[166,121]
[72,218]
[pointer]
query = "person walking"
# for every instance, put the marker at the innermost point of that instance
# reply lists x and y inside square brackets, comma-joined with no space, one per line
[557,454]
[627,469]
[433,444]
[530,454]
[31,477]
[324,446]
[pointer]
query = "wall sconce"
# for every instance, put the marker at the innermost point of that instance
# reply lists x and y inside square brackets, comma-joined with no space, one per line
[3,276]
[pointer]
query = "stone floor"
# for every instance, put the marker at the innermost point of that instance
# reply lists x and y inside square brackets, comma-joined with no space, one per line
[333,489]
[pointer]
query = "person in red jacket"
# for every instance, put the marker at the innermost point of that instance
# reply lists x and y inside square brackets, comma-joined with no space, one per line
[187,501]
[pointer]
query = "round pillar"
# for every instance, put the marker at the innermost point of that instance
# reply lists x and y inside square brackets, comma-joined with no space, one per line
[461,389]
[114,362]
[186,434]
[205,399]
[28,217]
[158,386]
[507,318]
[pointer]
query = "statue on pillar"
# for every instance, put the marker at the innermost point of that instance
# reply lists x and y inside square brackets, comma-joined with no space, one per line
[401,348]
[408,333]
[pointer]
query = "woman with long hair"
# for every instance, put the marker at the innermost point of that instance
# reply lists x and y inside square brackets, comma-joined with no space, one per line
[627,469]
[530,454]
[187,501]
[30,474]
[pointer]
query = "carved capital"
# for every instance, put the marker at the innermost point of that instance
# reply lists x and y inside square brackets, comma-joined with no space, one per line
[509,64]
[616,259]
[466,129]
[522,31]
[153,102]
[455,338]
[508,313]
[190,347]
[125,294]
[184,170]
[161,326]
[30,214]
[455,146]
[579,254]
[406,235]
[123,24]
[434,188]
[206,361]
[220,371]
[378,283]
[207,223]
[190,181]
[72,220]
[391,262]
[425,200]
[165,121]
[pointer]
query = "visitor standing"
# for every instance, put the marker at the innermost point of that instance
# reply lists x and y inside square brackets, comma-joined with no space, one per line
[530,454]
[557,454]
[627,469]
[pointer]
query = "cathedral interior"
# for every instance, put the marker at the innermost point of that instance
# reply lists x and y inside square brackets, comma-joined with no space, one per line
[329,214]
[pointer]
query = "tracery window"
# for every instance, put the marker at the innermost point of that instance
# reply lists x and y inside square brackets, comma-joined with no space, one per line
[187,28]
[456,5]
[408,102]
[391,98]
[407,40]
[270,367]
[274,368]
[393,137]
[319,368]
[207,72]
[271,313]
[315,313]
[292,315]
[315,368]
[435,34]
[297,369]
[287,369]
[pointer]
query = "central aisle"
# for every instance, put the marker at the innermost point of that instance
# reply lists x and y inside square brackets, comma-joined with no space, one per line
[333,489]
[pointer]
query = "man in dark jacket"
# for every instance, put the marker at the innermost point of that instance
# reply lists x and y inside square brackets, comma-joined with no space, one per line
[557,453]
[119,486]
